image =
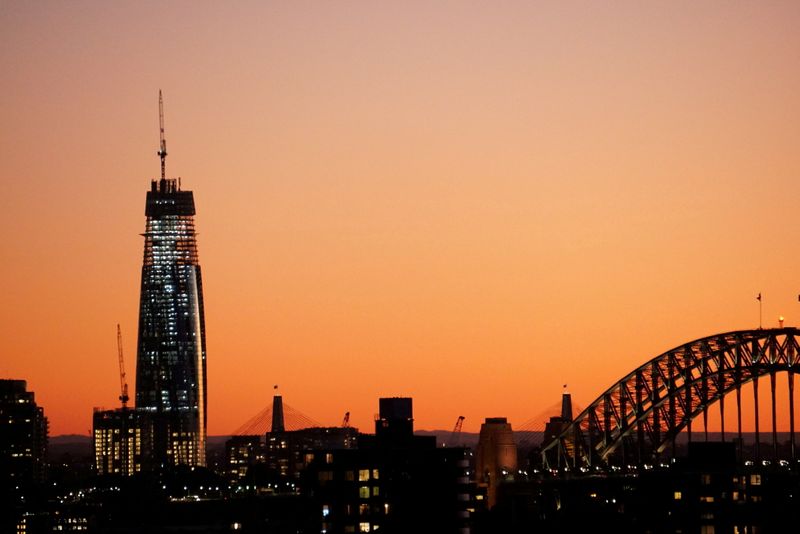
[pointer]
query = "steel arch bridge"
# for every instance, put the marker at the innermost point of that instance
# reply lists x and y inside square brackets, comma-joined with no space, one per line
[640,416]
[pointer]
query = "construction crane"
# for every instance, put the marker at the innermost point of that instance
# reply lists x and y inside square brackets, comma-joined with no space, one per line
[346,420]
[162,146]
[456,431]
[123,383]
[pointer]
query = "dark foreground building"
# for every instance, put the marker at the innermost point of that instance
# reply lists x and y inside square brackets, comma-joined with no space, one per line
[171,357]
[23,435]
[707,491]
[393,482]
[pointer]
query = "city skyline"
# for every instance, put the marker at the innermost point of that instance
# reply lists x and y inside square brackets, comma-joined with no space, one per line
[470,205]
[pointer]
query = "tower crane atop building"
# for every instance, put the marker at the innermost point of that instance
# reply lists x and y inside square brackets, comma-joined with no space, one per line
[162,146]
[456,431]
[123,383]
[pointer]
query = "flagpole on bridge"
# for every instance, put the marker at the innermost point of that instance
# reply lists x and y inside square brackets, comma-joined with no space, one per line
[758,298]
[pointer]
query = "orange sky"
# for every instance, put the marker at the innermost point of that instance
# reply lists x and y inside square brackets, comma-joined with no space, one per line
[467,203]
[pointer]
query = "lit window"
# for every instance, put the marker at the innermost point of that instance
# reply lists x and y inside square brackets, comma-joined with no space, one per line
[375,474]
[363,475]
[677,495]
[328,457]
[326,511]
[755,480]
[363,527]
[375,491]
[363,492]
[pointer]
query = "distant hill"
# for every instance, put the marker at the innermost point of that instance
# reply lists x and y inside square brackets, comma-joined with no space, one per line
[69,439]
[464,439]
[74,446]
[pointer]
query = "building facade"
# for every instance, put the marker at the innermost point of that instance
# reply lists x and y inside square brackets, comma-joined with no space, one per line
[23,435]
[171,356]
[496,456]
[288,453]
[392,482]
[242,453]
[120,438]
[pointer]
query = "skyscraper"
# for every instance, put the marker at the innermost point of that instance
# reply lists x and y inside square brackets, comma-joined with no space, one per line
[171,356]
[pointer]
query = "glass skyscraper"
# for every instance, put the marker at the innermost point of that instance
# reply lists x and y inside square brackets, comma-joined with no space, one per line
[171,357]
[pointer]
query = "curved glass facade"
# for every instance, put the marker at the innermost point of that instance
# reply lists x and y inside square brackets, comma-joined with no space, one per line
[171,356]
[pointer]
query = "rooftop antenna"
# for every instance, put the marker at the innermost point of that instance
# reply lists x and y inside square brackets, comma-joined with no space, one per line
[162,150]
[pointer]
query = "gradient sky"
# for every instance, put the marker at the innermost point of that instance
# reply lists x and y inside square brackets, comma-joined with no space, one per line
[469,203]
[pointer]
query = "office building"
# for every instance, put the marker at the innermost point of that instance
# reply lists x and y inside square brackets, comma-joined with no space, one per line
[120,437]
[171,356]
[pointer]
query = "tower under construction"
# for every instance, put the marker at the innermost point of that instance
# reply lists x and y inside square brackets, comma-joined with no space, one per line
[171,355]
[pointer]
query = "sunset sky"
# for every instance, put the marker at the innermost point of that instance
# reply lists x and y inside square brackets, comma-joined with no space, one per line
[468,203]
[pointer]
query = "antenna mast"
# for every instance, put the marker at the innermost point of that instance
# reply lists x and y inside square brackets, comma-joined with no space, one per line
[162,149]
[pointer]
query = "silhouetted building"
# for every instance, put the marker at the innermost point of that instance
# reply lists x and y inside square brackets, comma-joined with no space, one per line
[289,453]
[395,421]
[495,456]
[23,435]
[241,453]
[171,357]
[120,437]
[709,490]
[393,482]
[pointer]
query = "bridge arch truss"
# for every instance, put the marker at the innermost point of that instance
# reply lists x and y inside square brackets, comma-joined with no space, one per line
[641,415]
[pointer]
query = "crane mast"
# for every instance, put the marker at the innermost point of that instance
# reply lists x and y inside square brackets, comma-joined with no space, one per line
[162,147]
[123,384]
[456,431]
